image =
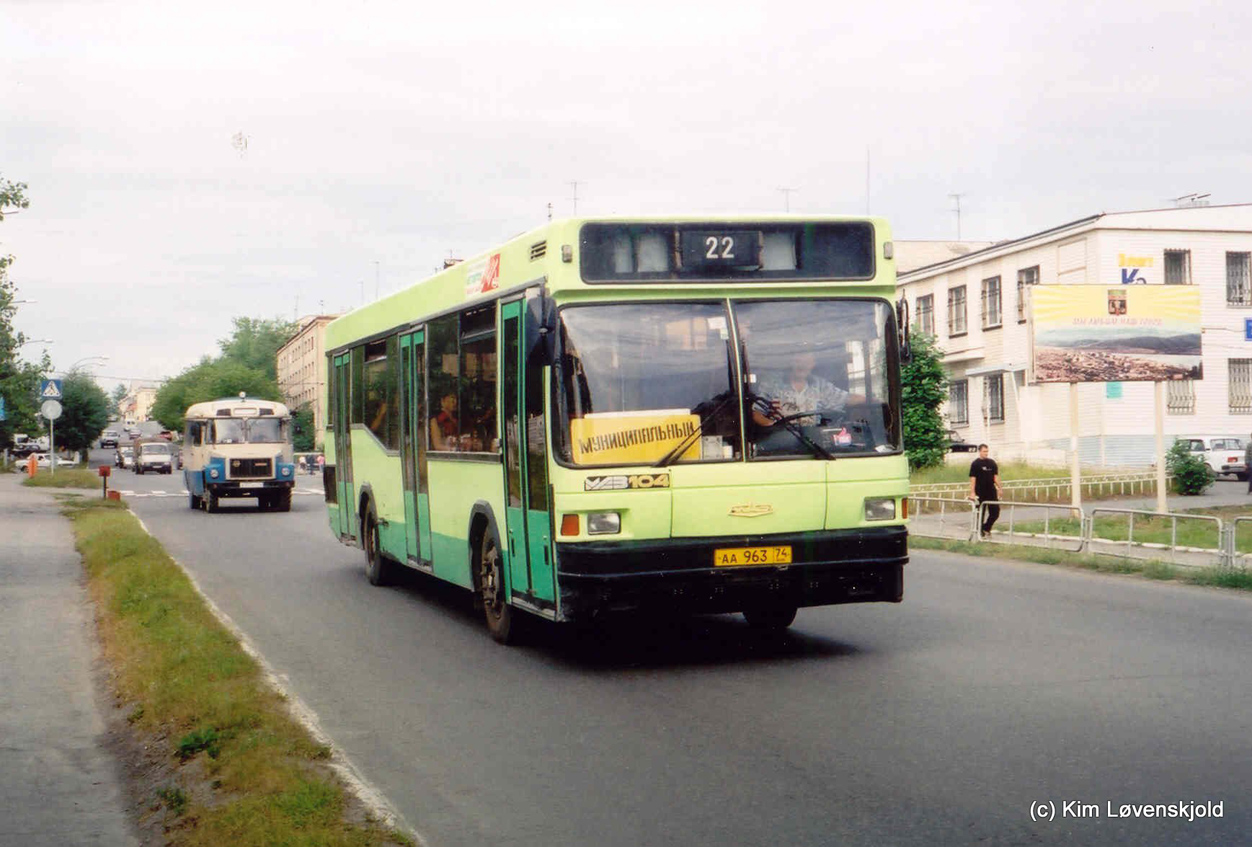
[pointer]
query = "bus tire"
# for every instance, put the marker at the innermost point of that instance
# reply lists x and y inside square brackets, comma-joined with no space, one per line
[774,617]
[490,566]
[378,569]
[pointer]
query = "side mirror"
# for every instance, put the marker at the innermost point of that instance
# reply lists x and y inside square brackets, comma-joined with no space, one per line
[541,329]
[902,322]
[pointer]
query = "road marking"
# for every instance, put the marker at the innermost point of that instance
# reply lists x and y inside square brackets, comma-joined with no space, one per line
[162,493]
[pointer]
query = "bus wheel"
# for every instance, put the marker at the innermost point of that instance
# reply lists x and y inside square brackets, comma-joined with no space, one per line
[377,568]
[491,584]
[774,617]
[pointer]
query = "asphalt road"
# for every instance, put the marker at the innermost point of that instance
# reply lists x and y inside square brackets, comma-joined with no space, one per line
[994,686]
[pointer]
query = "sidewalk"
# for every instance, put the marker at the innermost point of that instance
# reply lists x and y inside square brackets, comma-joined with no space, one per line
[58,783]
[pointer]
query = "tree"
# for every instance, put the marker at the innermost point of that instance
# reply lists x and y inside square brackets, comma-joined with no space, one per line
[924,388]
[19,381]
[255,342]
[84,412]
[1190,472]
[116,398]
[211,379]
[303,436]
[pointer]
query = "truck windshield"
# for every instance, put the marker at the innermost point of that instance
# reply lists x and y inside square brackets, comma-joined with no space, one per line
[248,431]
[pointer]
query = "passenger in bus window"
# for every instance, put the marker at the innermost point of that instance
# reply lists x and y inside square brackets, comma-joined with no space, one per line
[443,426]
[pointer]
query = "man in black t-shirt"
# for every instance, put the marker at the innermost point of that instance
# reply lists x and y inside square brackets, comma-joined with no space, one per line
[984,486]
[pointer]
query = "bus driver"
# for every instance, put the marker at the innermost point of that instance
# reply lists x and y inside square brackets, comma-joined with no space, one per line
[800,390]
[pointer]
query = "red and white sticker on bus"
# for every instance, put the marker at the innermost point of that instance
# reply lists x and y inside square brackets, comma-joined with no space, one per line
[483,276]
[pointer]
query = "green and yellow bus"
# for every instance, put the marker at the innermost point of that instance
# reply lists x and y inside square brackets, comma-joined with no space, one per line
[695,414]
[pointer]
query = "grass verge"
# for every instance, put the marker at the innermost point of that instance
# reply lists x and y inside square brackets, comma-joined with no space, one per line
[248,773]
[1149,569]
[64,478]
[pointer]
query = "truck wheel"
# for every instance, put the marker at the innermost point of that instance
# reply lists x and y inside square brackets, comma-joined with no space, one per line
[282,503]
[213,503]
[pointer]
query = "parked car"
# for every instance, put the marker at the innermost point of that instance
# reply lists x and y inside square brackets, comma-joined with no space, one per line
[1222,453]
[44,460]
[957,444]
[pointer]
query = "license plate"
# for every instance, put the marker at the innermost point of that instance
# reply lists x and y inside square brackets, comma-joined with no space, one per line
[251,485]
[729,557]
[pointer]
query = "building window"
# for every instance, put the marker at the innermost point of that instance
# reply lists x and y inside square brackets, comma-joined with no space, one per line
[991,312]
[1180,397]
[1238,284]
[958,402]
[956,310]
[1025,277]
[926,314]
[994,387]
[1240,386]
[1177,267]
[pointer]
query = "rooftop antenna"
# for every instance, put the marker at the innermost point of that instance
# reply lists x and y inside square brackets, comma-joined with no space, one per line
[786,193]
[957,198]
[1187,200]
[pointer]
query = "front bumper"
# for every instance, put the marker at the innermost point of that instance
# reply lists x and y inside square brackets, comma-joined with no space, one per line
[248,487]
[827,568]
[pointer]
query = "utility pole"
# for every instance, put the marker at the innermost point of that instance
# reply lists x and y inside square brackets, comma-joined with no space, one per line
[575,184]
[786,193]
[867,180]
[549,212]
[376,280]
[957,198]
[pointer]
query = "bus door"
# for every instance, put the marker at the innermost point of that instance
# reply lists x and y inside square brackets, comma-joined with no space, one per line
[343,444]
[527,518]
[414,430]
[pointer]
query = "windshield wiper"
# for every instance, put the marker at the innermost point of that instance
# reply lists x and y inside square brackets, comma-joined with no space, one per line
[707,409]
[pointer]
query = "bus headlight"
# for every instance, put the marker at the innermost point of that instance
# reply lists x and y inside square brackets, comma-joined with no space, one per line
[604,523]
[880,508]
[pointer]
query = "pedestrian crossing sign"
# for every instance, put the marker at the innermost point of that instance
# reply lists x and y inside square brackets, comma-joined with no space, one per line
[50,389]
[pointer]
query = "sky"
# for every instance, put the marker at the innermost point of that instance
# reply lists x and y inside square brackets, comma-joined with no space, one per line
[382,138]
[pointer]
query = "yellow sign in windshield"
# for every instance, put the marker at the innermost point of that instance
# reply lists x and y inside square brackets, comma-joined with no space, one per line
[632,437]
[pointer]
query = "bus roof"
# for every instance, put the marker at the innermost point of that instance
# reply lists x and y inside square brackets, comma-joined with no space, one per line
[550,254]
[229,407]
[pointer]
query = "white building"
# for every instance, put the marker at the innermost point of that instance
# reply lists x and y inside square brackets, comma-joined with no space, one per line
[978,307]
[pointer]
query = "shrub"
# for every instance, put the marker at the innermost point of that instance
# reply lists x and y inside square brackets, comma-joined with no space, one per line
[1191,475]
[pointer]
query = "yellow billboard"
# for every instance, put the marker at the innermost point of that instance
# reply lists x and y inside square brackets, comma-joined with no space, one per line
[1127,333]
[633,437]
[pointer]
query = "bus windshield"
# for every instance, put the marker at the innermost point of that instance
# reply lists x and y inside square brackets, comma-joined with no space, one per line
[644,379]
[820,377]
[247,431]
[653,383]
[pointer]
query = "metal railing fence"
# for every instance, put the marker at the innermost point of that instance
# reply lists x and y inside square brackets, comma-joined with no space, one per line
[949,517]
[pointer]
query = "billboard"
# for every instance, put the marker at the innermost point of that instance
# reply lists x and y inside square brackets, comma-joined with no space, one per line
[1129,333]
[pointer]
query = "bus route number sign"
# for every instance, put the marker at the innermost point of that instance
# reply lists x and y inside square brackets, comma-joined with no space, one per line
[720,248]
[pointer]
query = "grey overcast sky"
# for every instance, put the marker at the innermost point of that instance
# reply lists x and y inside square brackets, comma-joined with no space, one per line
[384,137]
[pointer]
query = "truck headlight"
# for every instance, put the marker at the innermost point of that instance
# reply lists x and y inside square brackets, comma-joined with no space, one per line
[604,523]
[213,472]
[880,508]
